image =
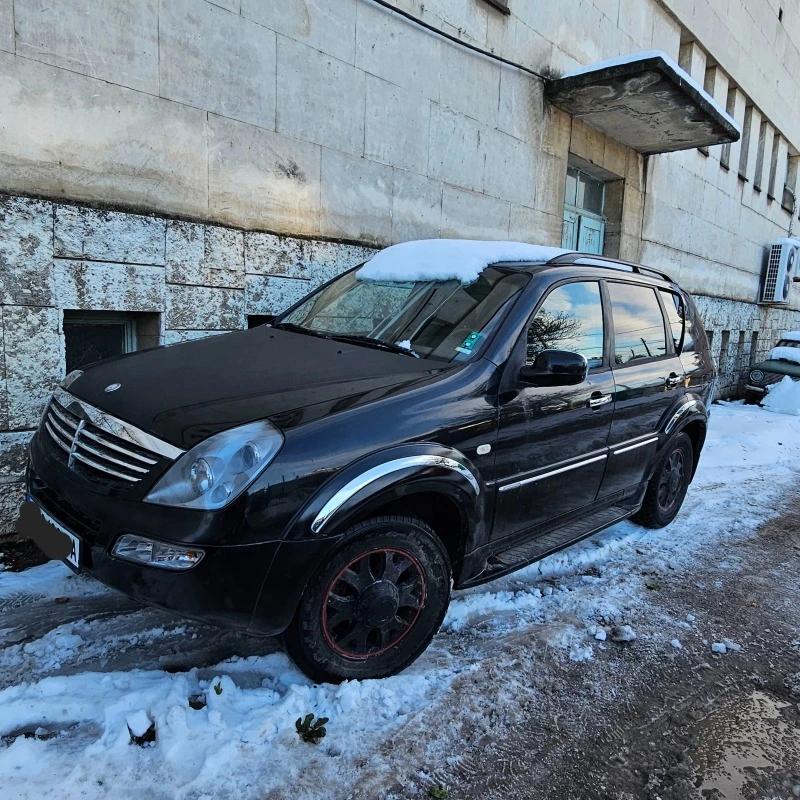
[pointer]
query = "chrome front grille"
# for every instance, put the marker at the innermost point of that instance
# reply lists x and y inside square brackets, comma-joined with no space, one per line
[103,445]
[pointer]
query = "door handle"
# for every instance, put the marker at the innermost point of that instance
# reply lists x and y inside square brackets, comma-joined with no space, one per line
[673,380]
[597,400]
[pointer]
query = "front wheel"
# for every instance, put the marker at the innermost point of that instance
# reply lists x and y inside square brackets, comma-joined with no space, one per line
[667,488]
[374,606]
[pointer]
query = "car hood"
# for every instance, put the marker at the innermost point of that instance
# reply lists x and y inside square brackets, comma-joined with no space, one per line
[186,392]
[779,367]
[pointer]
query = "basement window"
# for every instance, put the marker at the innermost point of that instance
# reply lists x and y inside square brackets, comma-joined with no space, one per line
[501,5]
[94,335]
[254,320]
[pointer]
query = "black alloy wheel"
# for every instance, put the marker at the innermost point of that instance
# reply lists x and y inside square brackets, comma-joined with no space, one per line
[668,485]
[374,605]
[671,479]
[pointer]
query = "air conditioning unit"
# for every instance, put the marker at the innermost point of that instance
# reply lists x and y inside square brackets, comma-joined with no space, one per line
[782,269]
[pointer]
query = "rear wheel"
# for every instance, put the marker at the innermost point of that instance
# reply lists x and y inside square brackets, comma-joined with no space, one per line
[667,488]
[374,606]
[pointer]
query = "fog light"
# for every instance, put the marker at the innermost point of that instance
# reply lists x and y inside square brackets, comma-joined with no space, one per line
[156,554]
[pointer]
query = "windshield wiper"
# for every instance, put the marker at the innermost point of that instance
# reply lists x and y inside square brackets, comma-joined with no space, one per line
[291,326]
[379,344]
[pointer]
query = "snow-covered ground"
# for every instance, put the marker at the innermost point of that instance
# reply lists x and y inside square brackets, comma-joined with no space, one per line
[237,737]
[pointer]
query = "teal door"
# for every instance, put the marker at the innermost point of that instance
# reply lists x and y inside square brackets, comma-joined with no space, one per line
[569,233]
[584,221]
[591,234]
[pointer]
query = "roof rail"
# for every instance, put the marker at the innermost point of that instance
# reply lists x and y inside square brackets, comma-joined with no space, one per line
[588,259]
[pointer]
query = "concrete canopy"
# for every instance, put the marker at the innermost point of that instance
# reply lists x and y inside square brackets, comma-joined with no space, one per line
[647,103]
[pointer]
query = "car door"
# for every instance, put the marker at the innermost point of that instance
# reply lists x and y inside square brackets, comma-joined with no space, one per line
[649,379]
[552,442]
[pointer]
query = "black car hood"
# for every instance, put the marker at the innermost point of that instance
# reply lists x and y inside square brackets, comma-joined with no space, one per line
[186,392]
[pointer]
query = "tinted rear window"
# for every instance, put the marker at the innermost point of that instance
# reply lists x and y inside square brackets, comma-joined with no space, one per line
[638,323]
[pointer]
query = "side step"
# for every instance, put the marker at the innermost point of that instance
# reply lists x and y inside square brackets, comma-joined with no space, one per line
[526,553]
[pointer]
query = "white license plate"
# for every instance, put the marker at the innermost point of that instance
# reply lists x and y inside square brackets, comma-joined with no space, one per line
[75,555]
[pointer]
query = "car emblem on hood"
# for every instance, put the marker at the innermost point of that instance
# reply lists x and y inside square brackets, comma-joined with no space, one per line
[112,387]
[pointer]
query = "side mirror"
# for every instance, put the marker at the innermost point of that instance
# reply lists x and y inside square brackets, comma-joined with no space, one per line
[555,368]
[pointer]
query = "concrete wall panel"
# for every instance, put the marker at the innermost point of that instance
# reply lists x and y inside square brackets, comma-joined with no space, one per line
[467,215]
[110,142]
[261,179]
[397,126]
[114,40]
[326,25]
[356,198]
[108,236]
[7,25]
[217,61]
[204,308]
[416,207]
[320,99]
[26,252]
[99,286]
[34,359]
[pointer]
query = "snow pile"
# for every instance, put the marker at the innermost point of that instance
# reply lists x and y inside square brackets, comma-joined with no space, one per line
[784,397]
[684,76]
[50,580]
[449,259]
[785,353]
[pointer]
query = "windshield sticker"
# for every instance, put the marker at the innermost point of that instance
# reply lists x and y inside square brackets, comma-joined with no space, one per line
[470,343]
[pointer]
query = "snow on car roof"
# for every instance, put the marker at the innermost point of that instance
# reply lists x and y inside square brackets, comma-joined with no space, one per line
[449,259]
[644,54]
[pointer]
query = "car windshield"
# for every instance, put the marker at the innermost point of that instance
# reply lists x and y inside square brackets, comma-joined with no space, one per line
[439,320]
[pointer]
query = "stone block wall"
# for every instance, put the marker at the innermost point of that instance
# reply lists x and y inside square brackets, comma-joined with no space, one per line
[195,279]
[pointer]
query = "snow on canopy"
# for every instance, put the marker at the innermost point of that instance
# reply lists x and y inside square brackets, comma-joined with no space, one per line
[641,56]
[449,259]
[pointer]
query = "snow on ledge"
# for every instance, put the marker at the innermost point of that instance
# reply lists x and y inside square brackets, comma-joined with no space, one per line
[449,259]
[641,56]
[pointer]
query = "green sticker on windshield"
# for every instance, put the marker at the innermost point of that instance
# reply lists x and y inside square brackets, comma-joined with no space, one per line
[470,343]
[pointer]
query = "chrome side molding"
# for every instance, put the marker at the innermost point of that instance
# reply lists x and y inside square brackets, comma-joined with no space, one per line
[117,427]
[371,475]
[635,446]
[684,409]
[550,474]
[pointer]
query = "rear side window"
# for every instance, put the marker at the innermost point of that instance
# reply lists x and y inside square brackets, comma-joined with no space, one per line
[638,323]
[676,314]
[570,318]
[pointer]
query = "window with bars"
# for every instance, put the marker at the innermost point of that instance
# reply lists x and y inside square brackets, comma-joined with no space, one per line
[91,336]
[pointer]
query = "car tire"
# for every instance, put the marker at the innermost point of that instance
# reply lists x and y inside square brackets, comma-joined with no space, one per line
[667,487]
[372,608]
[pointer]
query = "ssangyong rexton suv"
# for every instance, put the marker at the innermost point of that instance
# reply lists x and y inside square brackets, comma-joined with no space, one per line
[445,414]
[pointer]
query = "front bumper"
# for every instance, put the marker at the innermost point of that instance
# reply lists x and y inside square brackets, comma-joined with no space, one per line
[254,587]
[755,389]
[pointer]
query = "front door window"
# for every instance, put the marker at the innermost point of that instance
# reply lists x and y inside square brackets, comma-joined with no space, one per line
[584,221]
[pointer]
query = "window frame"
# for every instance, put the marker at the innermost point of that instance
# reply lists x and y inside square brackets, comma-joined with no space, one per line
[82,317]
[669,349]
[605,309]
[500,5]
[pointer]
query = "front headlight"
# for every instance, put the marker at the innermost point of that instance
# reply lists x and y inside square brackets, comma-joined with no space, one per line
[216,471]
[156,554]
[756,376]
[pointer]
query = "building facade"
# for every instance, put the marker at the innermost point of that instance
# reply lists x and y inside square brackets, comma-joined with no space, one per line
[178,168]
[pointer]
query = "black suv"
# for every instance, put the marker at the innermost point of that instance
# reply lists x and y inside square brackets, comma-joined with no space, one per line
[331,476]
